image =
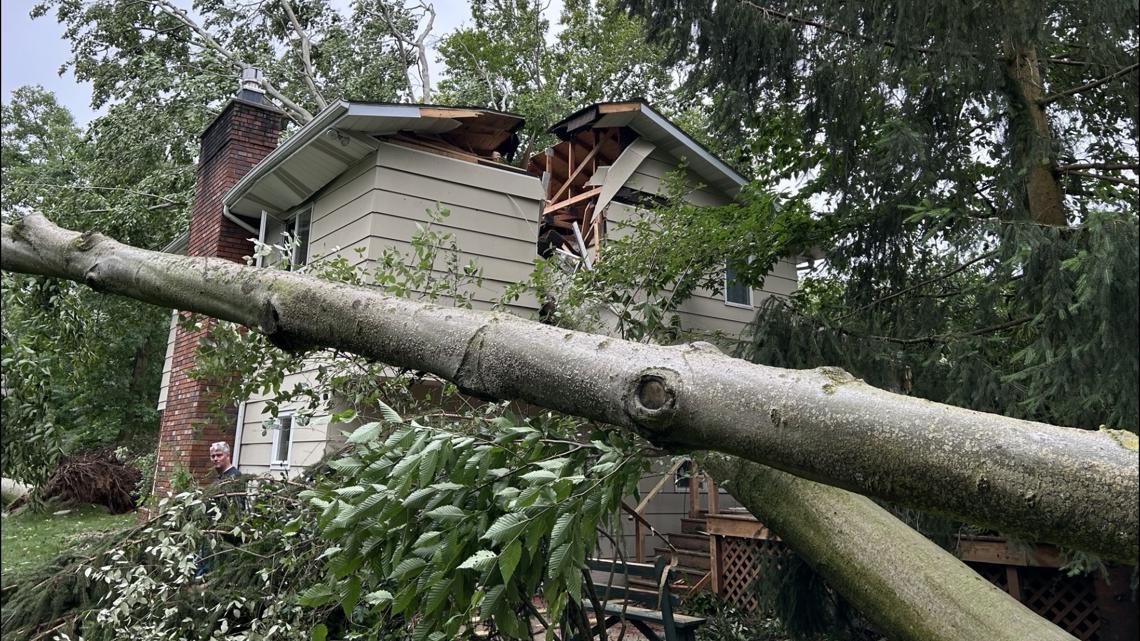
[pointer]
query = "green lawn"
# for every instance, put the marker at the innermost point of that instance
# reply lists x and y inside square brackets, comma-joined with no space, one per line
[30,540]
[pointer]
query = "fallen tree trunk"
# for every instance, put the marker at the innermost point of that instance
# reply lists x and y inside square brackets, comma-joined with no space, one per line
[907,586]
[1072,487]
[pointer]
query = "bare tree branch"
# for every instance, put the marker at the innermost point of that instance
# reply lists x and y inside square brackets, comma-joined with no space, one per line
[1107,179]
[1103,166]
[917,286]
[306,54]
[299,114]
[1047,100]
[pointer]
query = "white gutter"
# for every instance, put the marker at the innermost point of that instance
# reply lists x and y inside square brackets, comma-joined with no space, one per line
[315,127]
[237,221]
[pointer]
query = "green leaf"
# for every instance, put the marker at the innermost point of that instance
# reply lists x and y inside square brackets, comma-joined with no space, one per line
[316,596]
[506,527]
[438,593]
[407,566]
[509,560]
[319,632]
[491,601]
[561,529]
[379,597]
[554,568]
[390,415]
[365,433]
[479,561]
[446,513]
[539,476]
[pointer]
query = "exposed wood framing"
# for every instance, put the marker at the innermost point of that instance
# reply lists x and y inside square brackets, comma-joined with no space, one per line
[566,170]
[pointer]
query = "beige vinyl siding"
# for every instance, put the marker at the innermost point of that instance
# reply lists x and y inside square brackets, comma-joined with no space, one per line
[310,442]
[168,361]
[708,312]
[650,177]
[380,204]
[704,311]
[376,205]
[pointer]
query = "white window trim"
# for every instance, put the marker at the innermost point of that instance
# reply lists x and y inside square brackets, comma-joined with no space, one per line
[293,215]
[276,465]
[284,222]
[751,294]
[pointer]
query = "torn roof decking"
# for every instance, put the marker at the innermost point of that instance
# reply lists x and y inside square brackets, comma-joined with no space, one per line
[599,136]
[345,132]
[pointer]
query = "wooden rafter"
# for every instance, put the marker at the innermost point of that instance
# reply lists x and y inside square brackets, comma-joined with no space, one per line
[572,200]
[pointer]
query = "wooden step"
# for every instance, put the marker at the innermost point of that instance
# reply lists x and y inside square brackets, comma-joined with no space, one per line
[691,542]
[690,576]
[693,526]
[687,559]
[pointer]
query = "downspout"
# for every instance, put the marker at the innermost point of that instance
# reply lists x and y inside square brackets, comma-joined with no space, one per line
[238,433]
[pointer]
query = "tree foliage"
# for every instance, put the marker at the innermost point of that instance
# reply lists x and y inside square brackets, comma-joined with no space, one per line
[508,60]
[79,369]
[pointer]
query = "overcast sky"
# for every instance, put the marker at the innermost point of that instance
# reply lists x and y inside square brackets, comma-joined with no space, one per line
[34,50]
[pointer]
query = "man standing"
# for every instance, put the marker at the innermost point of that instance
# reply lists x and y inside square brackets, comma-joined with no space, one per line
[223,465]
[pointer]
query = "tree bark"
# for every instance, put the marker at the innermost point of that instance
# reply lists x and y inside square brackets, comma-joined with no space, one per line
[907,586]
[1029,121]
[1072,487]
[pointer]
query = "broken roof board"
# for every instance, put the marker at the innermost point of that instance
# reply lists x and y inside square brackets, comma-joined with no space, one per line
[339,137]
[657,129]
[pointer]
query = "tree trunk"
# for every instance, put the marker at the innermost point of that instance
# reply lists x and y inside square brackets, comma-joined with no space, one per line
[1029,123]
[1072,487]
[907,586]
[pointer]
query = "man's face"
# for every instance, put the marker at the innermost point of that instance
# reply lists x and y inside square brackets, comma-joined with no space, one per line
[220,459]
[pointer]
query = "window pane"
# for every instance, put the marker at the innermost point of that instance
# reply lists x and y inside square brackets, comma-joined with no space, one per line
[284,435]
[301,231]
[736,292]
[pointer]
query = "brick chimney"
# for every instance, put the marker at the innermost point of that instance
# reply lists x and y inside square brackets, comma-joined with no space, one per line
[244,132]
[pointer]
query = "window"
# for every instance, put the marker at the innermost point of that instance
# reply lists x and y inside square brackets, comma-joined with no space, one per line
[297,232]
[282,447]
[736,294]
[290,232]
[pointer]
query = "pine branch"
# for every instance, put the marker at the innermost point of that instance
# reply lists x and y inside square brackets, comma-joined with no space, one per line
[1047,100]
[945,338]
[924,283]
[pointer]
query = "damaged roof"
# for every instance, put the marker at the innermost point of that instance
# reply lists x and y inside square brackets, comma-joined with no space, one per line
[346,131]
[655,128]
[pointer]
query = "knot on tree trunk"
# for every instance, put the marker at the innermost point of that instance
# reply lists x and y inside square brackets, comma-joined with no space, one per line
[652,400]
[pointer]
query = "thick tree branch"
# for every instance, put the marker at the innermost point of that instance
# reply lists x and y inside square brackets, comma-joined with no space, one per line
[1076,488]
[904,583]
[1047,100]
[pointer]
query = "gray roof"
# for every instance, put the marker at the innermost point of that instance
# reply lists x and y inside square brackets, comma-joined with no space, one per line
[343,134]
[652,126]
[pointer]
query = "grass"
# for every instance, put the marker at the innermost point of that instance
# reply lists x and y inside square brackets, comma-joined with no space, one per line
[31,540]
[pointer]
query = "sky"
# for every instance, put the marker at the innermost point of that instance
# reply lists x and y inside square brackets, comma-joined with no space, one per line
[34,50]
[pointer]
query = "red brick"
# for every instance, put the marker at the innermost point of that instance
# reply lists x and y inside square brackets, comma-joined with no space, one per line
[241,135]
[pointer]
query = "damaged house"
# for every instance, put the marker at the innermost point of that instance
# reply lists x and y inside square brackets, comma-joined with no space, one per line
[361,178]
